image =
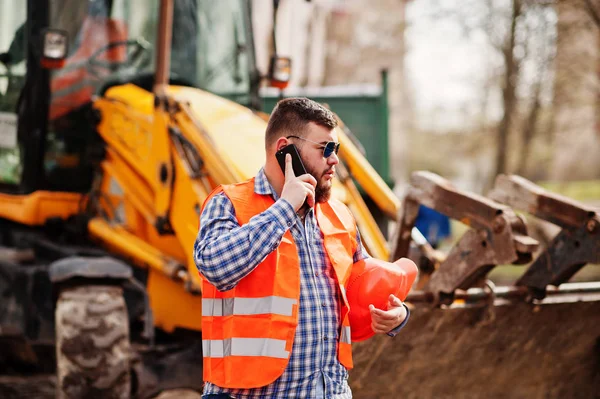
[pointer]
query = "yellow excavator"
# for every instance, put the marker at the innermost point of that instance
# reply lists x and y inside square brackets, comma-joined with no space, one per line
[118,117]
[117,120]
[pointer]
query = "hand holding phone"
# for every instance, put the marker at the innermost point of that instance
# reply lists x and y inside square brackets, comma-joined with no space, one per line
[297,189]
[297,164]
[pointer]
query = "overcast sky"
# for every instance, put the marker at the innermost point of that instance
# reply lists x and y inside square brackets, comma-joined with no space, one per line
[445,68]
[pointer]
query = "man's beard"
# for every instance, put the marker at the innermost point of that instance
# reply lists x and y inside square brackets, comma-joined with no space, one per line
[322,192]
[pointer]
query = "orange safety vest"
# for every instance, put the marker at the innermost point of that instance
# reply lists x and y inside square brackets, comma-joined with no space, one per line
[248,331]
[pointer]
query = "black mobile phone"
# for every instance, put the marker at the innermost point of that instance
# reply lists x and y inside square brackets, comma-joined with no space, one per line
[296,161]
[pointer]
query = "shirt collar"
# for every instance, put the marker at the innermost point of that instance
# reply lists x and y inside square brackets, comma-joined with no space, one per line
[262,185]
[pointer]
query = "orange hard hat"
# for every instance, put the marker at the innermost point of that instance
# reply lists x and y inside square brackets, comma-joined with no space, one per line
[371,282]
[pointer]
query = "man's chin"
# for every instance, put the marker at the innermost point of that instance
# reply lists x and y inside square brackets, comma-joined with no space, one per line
[326,183]
[323,195]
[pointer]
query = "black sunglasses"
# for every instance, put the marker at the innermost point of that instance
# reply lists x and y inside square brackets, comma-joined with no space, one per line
[328,148]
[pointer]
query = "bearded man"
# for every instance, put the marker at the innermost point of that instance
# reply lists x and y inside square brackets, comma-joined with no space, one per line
[275,253]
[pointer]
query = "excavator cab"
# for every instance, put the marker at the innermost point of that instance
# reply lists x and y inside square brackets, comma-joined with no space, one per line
[47,140]
[46,106]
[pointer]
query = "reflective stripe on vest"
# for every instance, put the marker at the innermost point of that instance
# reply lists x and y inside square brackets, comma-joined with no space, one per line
[345,337]
[343,291]
[268,347]
[247,306]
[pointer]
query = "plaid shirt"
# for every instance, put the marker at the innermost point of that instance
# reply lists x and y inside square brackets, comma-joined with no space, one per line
[225,253]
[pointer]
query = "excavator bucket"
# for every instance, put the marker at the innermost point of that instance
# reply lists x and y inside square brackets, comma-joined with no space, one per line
[494,348]
[470,338]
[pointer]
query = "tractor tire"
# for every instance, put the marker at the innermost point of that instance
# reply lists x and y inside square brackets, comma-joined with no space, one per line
[92,343]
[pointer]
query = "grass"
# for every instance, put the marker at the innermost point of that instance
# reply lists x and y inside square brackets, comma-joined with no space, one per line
[587,191]
[508,274]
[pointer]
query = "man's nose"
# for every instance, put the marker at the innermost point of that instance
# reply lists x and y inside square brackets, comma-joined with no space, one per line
[333,159]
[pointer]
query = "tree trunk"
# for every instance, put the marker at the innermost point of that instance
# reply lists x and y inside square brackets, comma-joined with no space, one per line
[529,131]
[508,91]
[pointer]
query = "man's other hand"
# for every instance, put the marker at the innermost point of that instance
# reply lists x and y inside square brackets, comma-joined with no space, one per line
[383,321]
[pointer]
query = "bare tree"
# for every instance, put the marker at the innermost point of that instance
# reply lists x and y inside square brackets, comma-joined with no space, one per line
[576,88]
[518,31]
[540,44]
[515,87]
[509,98]
[529,130]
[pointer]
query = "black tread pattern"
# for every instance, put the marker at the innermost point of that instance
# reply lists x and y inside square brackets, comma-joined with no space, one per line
[92,343]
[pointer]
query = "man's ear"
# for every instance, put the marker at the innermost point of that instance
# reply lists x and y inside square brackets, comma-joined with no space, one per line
[280,143]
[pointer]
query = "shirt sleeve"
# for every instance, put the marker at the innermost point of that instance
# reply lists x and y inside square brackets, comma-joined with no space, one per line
[225,252]
[396,330]
[361,253]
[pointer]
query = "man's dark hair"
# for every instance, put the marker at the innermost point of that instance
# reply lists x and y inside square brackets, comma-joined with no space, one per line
[291,115]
